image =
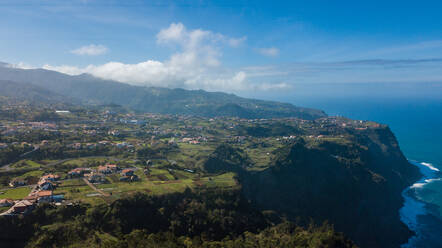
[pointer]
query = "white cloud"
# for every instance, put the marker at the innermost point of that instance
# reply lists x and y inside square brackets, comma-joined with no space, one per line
[236,42]
[271,51]
[175,32]
[90,50]
[197,65]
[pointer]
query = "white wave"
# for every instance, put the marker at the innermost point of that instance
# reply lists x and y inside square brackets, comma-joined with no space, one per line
[430,166]
[417,185]
[432,180]
[412,207]
[427,169]
[425,182]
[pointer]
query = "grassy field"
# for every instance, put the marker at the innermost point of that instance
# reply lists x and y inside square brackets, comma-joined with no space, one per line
[85,161]
[190,156]
[15,194]
[34,173]
[221,181]
[26,164]
[77,190]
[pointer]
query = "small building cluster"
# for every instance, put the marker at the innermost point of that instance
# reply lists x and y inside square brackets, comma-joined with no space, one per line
[42,192]
[78,172]
[95,177]
[108,169]
[99,175]
[128,175]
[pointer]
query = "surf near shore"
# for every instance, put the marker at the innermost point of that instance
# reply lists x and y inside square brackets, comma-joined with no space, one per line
[415,212]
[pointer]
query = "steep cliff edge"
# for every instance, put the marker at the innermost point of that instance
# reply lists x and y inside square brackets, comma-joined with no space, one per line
[354,184]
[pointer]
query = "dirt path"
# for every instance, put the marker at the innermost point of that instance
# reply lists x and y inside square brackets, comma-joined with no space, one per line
[95,188]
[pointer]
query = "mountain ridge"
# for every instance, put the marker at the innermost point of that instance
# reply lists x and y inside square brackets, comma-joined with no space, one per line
[92,90]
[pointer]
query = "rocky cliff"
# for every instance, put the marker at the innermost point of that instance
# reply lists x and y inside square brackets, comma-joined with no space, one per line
[355,185]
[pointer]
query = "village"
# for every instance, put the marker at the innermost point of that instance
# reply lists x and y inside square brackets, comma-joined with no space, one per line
[42,192]
[99,156]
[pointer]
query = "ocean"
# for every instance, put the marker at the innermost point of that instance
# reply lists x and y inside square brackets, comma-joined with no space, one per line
[417,124]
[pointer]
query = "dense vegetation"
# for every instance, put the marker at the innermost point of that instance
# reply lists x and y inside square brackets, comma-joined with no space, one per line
[227,158]
[12,153]
[189,219]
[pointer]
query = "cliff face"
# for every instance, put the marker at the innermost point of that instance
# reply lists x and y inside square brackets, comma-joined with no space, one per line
[356,186]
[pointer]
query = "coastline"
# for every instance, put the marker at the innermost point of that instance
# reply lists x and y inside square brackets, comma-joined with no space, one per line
[417,214]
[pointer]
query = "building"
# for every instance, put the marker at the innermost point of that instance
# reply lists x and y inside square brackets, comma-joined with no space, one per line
[127,172]
[6,202]
[104,170]
[128,175]
[95,177]
[62,111]
[108,169]
[31,197]
[44,196]
[23,206]
[50,177]
[46,185]
[78,172]
[113,167]
[16,182]
[129,178]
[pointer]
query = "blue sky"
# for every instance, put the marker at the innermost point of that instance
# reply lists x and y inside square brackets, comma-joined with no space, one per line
[232,46]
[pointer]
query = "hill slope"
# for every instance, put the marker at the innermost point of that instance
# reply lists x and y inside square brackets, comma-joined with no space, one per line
[29,93]
[156,100]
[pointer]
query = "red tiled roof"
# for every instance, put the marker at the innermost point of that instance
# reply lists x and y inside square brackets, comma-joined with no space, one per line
[3,201]
[30,197]
[50,176]
[44,193]
[79,169]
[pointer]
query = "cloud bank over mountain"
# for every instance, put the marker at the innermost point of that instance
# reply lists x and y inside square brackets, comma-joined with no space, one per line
[196,64]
